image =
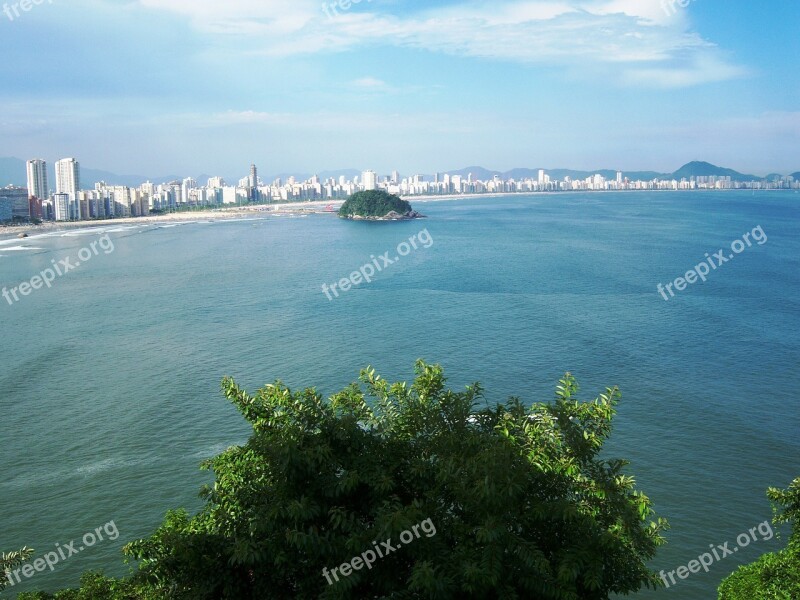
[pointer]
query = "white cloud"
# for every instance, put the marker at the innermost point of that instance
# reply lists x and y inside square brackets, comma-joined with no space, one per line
[645,42]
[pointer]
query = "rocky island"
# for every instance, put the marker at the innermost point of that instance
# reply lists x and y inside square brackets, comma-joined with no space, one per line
[377,205]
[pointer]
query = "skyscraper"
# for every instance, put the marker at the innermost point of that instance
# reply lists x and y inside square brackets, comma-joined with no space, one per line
[37,179]
[61,207]
[369,180]
[253,176]
[252,192]
[68,181]
[68,177]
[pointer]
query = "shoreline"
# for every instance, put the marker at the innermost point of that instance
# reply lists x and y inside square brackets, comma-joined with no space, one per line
[292,208]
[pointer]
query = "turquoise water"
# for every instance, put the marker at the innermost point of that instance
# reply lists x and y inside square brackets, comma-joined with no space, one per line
[109,380]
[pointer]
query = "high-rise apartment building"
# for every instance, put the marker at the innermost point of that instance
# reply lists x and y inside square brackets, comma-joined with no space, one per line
[17,200]
[252,184]
[37,179]
[68,177]
[369,180]
[68,181]
[61,207]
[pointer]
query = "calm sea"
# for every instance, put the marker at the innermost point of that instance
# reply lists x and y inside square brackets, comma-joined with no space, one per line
[109,380]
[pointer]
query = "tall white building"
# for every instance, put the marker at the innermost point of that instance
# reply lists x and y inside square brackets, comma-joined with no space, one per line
[37,179]
[68,177]
[369,180]
[61,206]
[188,185]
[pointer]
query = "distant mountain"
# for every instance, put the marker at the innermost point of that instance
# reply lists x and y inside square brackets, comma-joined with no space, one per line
[284,177]
[560,174]
[477,173]
[323,175]
[348,173]
[91,176]
[13,172]
[704,169]
[796,175]
[520,174]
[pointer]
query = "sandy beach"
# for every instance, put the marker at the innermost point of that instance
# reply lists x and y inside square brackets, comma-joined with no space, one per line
[315,207]
[312,207]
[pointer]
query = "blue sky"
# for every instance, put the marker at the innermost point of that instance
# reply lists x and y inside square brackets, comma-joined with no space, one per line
[162,87]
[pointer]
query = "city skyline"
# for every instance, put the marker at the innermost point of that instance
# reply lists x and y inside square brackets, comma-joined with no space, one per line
[23,173]
[71,202]
[580,83]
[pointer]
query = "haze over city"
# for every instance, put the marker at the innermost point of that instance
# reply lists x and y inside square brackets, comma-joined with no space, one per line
[196,87]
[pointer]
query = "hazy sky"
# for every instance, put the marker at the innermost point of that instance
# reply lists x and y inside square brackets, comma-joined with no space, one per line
[160,87]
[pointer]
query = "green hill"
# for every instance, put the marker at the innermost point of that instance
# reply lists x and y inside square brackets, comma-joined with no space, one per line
[374,204]
[704,169]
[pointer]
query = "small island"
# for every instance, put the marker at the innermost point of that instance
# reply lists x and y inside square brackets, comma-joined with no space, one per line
[377,205]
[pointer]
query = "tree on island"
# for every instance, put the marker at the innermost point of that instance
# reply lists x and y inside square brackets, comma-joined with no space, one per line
[776,574]
[374,204]
[520,502]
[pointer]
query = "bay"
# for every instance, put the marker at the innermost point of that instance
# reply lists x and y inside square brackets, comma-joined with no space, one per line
[109,380]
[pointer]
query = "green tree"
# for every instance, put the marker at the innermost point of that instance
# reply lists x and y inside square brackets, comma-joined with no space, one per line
[95,586]
[776,575]
[373,203]
[10,561]
[522,503]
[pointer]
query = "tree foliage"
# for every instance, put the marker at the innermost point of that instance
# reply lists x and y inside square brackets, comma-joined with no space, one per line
[523,504]
[10,561]
[373,203]
[95,586]
[776,575]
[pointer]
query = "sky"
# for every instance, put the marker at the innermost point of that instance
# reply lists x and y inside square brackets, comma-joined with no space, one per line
[159,87]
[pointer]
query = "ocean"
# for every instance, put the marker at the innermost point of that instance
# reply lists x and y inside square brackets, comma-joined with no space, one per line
[109,379]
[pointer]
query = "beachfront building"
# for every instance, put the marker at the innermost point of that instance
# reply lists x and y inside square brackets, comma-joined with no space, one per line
[6,214]
[68,181]
[61,207]
[18,202]
[37,179]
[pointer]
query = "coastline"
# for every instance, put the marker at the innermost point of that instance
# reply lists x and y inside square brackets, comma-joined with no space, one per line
[288,208]
[292,208]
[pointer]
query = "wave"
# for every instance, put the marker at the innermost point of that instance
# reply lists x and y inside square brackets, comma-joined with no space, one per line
[82,232]
[121,229]
[16,240]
